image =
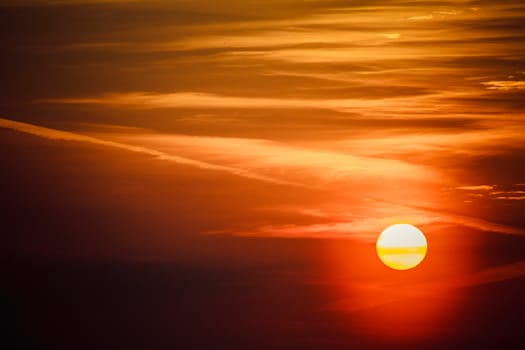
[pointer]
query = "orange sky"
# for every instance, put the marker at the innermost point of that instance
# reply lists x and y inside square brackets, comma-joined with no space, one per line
[194,131]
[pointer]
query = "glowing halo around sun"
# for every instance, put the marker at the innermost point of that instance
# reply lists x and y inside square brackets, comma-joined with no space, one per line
[401,246]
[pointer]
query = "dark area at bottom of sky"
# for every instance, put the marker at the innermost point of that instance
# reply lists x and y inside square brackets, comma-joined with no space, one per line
[163,306]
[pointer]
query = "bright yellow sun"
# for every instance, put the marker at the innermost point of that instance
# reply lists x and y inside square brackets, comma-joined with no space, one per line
[401,246]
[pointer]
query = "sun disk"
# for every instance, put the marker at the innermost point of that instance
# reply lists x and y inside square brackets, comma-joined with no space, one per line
[401,246]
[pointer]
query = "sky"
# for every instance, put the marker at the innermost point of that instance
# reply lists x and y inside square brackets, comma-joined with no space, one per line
[223,170]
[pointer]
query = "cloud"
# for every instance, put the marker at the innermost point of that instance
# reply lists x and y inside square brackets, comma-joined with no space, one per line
[421,18]
[263,160]
[199,99]
[507,192]
[511,198]
[447,13]
[214,101]
[364,229]
[68,136]
[317,167]
[476,187]
[390,35]
[505,85]
[487,191]
[493,139]
[370,216]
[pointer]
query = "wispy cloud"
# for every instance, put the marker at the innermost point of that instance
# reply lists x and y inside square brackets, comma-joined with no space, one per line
[376,215]
[511,198]
[476,187]
[435,143]
[207,100]
[505,85]
[204,100]
[509,193]
[252,158]
[421,18]
[68,136]
[390,35]
[314,166]
[447,13]
[364,229]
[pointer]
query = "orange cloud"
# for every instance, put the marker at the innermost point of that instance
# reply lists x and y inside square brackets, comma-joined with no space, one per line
[421,18]
[476,188]
[511,198]
[68,136]
[505,85]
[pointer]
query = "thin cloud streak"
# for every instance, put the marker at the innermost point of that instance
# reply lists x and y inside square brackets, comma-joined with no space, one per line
[255,159]
[366,229]
[214,101]
[476,188]
[400,107]
[511,198]
[313,165]
[505,85]
[492,139]
[379,214]
[54,134]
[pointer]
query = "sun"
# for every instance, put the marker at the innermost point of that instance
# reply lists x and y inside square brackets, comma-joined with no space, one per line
[401,246]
